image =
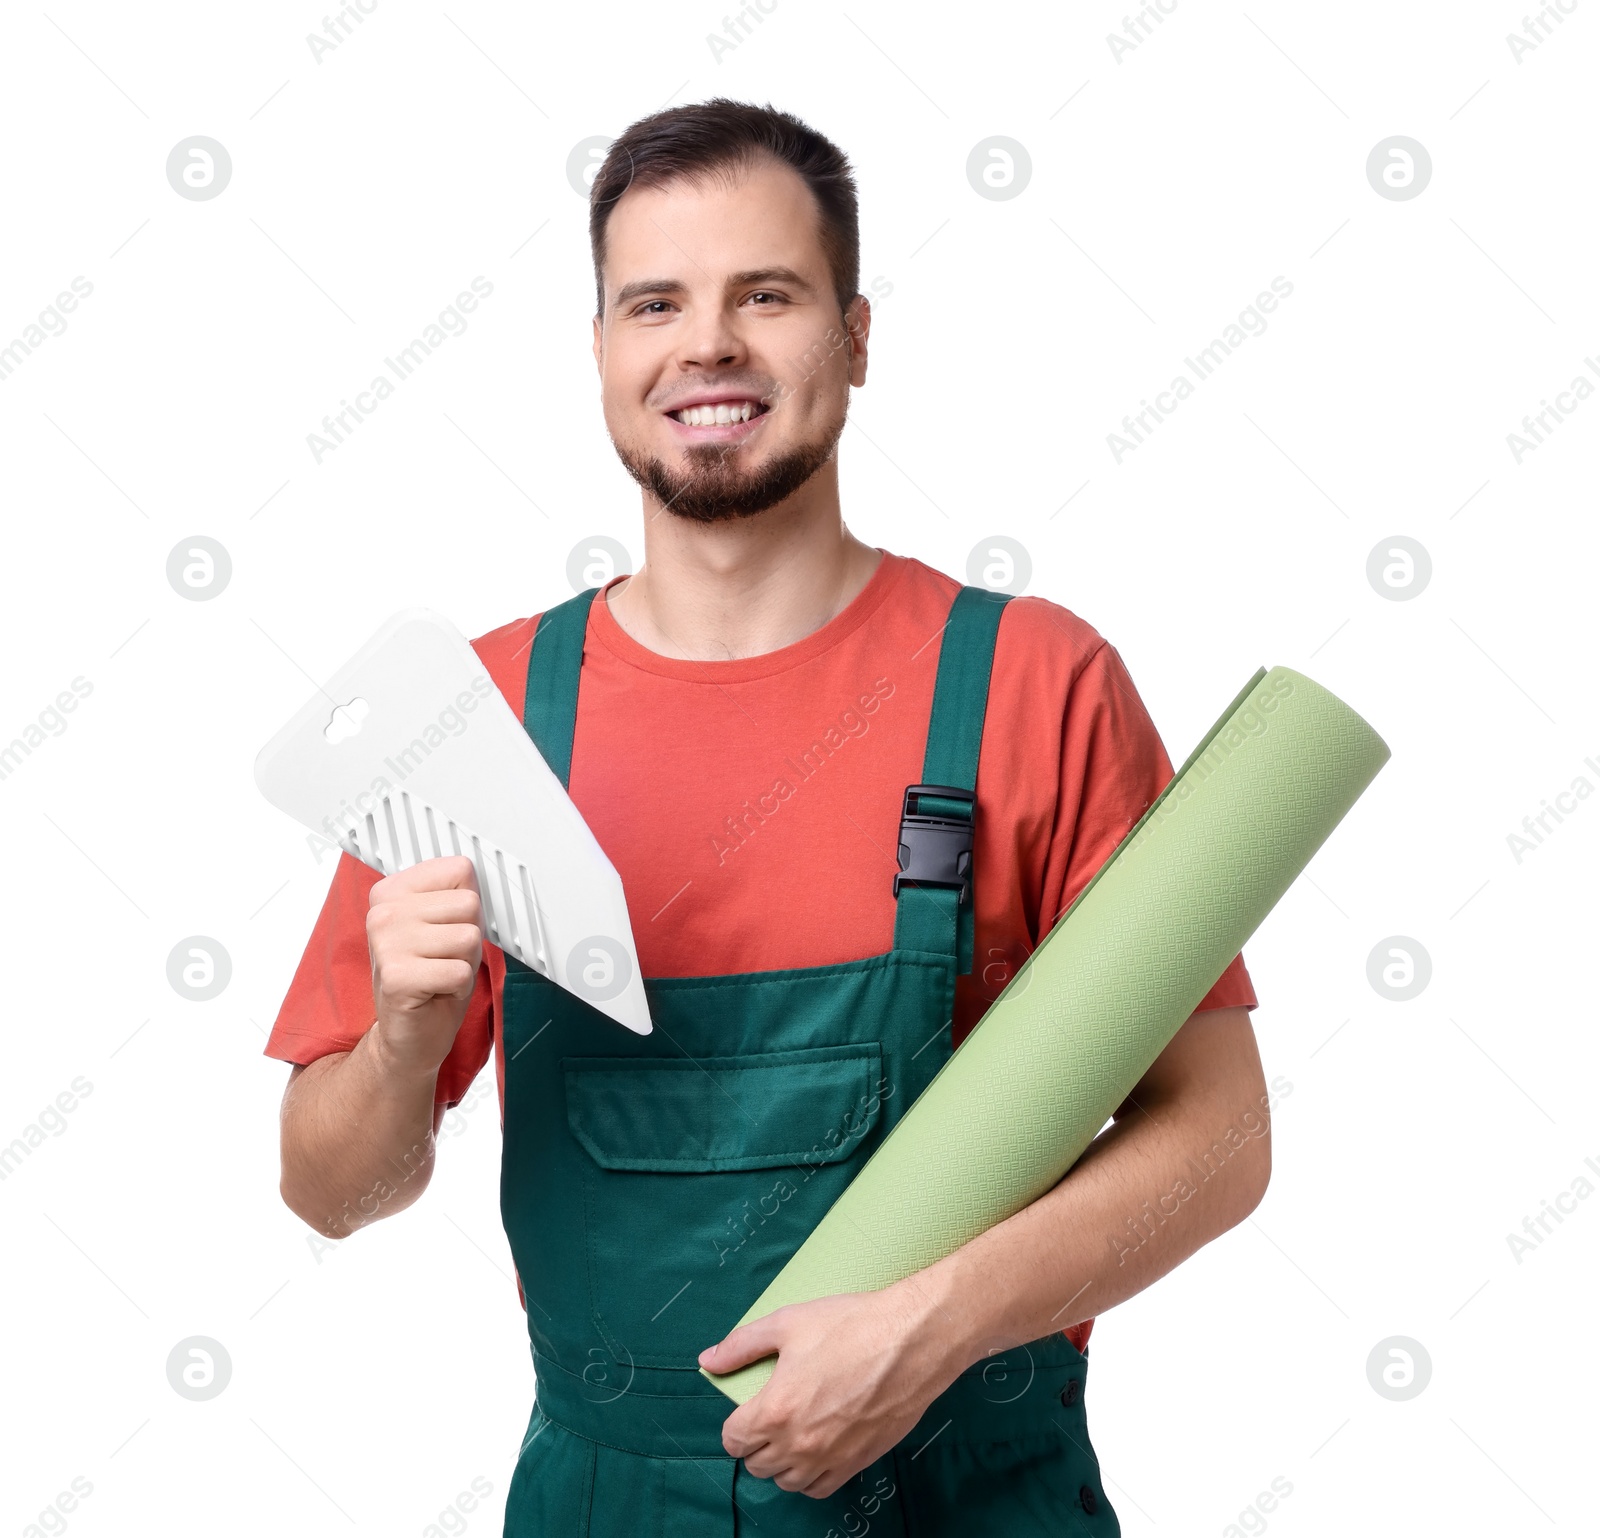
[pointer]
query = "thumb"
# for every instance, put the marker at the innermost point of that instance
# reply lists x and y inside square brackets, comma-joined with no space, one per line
[745,1343]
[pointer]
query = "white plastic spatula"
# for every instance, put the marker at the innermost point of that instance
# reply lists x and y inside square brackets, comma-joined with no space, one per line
[412,752]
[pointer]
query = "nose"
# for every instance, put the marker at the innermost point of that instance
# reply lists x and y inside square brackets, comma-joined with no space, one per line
[710,338]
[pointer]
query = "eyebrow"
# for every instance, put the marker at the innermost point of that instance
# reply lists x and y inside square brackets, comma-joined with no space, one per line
[664,286]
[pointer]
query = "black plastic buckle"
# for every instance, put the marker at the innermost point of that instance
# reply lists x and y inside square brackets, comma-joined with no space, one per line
[936,850]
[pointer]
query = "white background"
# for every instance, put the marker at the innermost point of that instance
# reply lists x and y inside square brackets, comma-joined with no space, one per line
[1168,187]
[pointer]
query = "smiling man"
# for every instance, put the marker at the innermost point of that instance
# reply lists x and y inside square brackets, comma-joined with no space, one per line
[744,722]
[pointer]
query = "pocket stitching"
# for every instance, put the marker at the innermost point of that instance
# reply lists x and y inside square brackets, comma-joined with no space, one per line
[864,1057]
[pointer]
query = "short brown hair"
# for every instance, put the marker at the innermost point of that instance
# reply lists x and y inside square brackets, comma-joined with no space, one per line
[724,137]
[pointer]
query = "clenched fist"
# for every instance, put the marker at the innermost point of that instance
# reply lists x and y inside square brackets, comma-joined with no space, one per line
[425,936]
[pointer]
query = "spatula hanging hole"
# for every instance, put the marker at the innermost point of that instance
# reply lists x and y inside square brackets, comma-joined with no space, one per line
[346,720]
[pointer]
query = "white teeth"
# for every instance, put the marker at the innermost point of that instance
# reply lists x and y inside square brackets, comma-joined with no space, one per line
[723,412]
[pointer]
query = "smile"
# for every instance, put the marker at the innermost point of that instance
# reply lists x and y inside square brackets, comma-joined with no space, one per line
[723,422]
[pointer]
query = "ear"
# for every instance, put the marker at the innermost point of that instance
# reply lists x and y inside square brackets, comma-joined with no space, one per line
[858,322]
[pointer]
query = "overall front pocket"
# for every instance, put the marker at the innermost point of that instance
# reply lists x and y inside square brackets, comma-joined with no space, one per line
[703,1176]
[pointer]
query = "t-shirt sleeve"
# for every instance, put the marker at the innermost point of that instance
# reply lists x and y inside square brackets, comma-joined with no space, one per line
[1113,766]
[329,1005]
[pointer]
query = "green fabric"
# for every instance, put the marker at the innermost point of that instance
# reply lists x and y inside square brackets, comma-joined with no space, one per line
[645,1180]
[1006,1454]
[961,688]
[955,731]
[783,1095]
[1097,1001]
[550,698]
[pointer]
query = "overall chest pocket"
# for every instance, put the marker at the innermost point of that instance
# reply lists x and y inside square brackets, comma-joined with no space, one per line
[702,1176]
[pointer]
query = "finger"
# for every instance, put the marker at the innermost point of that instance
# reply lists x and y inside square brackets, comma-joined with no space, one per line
[394,936]
[444,942]
[746,1343]
[821,1487]
[795,1478]
[411,922]
[437,875]
[458,905]
[773,1465]
[762,1464]
[743,1434]
[420,979]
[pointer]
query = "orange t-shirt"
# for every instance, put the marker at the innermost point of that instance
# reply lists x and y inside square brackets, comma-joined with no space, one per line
[752,807]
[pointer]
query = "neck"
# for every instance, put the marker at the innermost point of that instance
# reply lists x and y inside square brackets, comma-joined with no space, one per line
[713,592]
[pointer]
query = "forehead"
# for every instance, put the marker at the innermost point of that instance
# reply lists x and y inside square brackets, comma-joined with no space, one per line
[697,231]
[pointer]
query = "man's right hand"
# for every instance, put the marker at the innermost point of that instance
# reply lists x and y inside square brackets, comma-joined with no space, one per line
[425,936]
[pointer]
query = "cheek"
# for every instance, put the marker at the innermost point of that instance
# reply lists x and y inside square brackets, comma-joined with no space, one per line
[820,399]
[626,381]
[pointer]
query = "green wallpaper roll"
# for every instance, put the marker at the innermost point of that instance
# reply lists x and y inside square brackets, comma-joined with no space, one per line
[1100,997]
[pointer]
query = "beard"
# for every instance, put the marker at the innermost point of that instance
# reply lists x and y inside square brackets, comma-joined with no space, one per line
[716,485]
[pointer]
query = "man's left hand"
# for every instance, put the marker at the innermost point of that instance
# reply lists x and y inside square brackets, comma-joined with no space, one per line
[853,1376]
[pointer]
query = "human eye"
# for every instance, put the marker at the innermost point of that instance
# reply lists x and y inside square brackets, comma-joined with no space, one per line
[767,293]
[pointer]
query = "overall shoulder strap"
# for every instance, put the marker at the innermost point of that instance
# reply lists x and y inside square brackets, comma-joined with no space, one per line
[933,887]
[550,705]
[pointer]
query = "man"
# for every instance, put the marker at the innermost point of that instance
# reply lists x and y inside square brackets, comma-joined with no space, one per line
[739,722]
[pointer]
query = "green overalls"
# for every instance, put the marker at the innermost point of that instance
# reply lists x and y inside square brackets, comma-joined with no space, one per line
[653,1185]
